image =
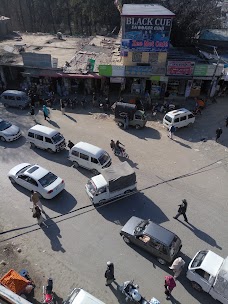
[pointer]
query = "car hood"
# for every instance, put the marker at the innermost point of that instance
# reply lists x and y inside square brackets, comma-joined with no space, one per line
[17,168]
[11,130]
[129,227]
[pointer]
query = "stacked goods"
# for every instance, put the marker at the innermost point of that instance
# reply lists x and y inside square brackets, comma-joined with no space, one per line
[14,281]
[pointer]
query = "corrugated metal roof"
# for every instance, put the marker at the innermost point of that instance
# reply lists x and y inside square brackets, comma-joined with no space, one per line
[214,34]
[146,10]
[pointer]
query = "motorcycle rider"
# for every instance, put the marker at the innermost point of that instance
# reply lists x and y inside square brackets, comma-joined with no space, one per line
[118,147]
[70,144]
[112,145]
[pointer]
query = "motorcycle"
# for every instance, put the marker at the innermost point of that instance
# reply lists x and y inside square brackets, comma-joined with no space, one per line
[131,291]
[48,295]
[121,153]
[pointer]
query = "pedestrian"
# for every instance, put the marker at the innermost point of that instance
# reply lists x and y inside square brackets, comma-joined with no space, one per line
[170,284]
[62,105]
[46,112]
[37,214]
[182,210]
[218,134]
[109,273]
[177,266]
[32,112]
[36,200]
[227,121]
[172,129]
[112,145]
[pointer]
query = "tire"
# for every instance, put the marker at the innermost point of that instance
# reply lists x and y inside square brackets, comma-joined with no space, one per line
[2,138]
[12,180]
[128,192]
[50,150]
[32,145]
[137,127]
[126,240]
[75,164]
[196,286]
[102,202]
[161,261]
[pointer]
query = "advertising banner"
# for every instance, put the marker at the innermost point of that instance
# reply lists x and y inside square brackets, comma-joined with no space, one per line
[180,68]
[144,71]
[145,34]
[105,70]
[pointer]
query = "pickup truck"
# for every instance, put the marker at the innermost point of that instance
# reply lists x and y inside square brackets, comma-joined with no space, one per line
[208,272]
[113,182]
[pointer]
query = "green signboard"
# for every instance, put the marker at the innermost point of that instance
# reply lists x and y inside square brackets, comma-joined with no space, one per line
[105,70]
[91,64]
[200,70]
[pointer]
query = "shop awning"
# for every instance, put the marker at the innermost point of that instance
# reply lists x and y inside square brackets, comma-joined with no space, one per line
[57,74]
[90,75]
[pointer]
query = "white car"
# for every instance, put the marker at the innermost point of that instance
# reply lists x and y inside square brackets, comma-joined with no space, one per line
[34,177]
[8,132]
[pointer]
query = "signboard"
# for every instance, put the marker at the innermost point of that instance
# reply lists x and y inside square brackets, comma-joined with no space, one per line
[37,60]
[105,70]
[118,70]
[117,79]
[180,68]
[111,70]
[188,88]
[144,71]
[200,70]
[146,34]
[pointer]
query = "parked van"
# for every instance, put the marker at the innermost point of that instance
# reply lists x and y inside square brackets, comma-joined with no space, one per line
[9,297]
[46,138]
[178,118]
[14,98]
[89,156]
[80,296]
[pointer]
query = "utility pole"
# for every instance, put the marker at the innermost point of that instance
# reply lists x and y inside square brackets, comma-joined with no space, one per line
[213,81]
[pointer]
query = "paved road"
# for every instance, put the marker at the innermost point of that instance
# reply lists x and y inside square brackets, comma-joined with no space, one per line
[75,248]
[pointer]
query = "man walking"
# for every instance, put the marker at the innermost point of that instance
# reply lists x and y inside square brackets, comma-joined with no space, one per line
[182,210]
[218,134]
[171,131]
[109,273]
[36,200]
[177,266]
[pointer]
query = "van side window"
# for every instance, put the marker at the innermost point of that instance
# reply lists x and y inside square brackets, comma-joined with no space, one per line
[138,117]
[30,134]
[75,153]
[176,119]
[190,116]
[203,274]
[48,140]
[11,98]
[18,98]
[5,97]
[39,137]
[83,156]
[94,160]
[183,118]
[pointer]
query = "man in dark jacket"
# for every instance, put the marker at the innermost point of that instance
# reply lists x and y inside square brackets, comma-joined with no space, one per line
[218,134]
[182,210]
[109,274]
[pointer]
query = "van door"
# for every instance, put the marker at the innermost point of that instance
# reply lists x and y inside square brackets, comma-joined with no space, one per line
[183,121]
[176,122]
[19,102]
[39,141]
[203,278]
[84,161]
[95,164]
[48,144]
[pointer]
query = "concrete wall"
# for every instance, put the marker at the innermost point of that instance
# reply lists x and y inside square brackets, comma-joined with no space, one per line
[4,27]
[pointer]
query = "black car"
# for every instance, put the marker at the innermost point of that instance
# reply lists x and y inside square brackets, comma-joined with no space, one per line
[153,238]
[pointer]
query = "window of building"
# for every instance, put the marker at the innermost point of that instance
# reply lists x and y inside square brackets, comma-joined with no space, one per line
[153,58]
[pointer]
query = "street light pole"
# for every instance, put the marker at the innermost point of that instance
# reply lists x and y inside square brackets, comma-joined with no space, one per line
[214,74]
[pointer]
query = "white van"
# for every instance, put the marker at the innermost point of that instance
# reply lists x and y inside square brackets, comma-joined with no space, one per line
[80,296]
[9,297]
[89,156]
[46,138]
[178,118]
[14,98]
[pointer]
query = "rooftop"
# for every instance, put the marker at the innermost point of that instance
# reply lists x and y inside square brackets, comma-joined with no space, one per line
[146,10]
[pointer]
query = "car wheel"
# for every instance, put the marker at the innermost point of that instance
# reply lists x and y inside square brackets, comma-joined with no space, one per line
[161,261]
[137,127]
[128,191]
[75,164]
[95,171]
[50,150]
[2,138]
[32,145]
[102,202]
[12,180]
[196,286]
[126,240]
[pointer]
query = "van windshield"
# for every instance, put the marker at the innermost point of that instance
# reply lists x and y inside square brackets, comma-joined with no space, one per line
[103,158]
[4,125]
[47,180]
[57,138]
[168,118]
[72,296]
[91,187]
[199,259]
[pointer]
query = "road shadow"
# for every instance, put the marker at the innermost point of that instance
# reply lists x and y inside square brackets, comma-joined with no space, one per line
[131,163]
[137,204]
[181,144]
[114,288]
[62,203]
[53,233]
[201,235]
[13,144]
[58,157]
[71,118]
[53,123]
[145,133]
